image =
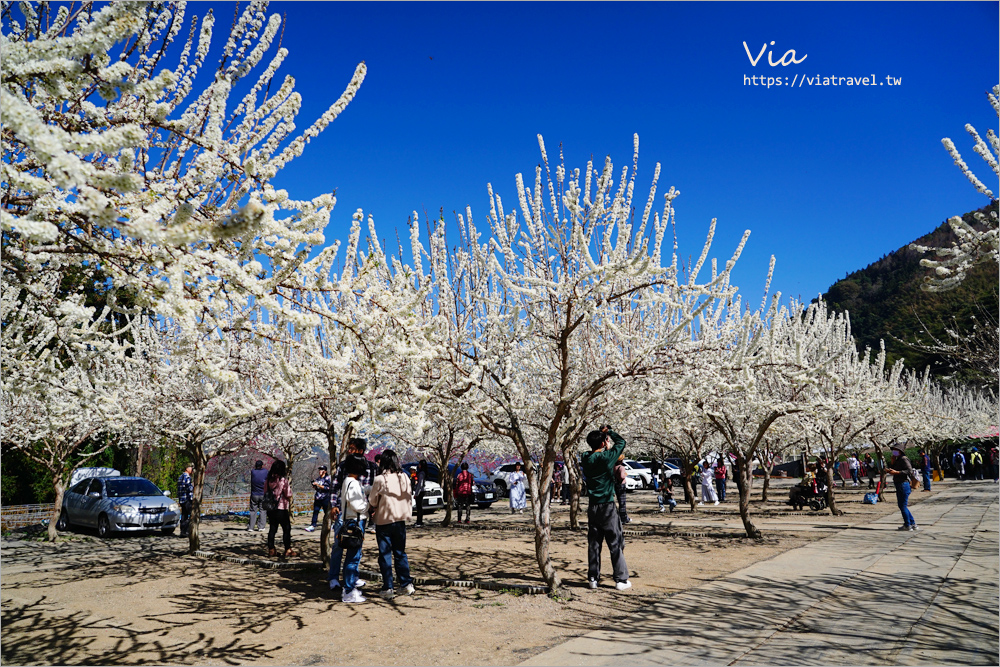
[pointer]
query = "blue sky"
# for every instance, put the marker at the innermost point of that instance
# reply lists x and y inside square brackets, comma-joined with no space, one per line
[828,178]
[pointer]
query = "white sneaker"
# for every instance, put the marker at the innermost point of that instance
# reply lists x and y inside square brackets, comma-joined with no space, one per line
[592,584]
[700,504]
[913,526]
[663,509]
[310,529]
[353,596]
[387,594]
[623,585]
[361,583]
[716,502]
[409,590]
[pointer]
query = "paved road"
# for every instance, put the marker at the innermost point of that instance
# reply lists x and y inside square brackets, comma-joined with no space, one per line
[868,595]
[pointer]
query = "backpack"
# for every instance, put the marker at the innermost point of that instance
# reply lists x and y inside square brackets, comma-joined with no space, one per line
[914,478]
[270,501]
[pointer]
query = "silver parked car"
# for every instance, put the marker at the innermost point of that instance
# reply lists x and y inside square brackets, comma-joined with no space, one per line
[113,504]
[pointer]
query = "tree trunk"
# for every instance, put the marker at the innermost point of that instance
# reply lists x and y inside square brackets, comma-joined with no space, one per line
[541,506]
[689,485]
[138,460]
[831,499]
[767,483]
[324,533]
[59,487]
[447,490]
[740,479]
[743,472]
[200,462]
[574,480]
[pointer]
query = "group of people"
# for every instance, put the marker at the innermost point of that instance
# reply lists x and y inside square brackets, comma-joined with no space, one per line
[713,481]
[361,492]
[381,492]
[972,465]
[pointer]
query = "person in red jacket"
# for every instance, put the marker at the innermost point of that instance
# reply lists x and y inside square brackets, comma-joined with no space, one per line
[463,492]
[720,479]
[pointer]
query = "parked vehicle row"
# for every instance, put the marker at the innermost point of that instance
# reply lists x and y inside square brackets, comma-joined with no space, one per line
[485,493]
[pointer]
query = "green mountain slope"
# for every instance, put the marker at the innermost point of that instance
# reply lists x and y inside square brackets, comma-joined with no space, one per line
[885,301]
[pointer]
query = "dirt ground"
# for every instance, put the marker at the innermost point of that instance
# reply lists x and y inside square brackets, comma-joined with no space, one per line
[140,600]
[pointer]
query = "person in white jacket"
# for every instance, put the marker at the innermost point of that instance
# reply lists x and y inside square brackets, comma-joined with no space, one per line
[353,507]
[708,493]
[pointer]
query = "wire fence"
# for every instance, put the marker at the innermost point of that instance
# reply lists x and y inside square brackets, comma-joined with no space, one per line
[19,516]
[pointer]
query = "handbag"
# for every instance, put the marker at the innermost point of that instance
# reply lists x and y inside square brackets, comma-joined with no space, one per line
[351,536]
[870,498]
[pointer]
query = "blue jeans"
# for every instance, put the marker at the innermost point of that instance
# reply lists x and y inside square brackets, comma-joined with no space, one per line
[902,496]
[350,558]
[927,480]
[317,506]
[391,540]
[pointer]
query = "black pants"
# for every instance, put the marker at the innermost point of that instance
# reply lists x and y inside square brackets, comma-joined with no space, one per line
[282,518]
[603,525]
[622,511]
[419,499]
[185,517]
[466,503]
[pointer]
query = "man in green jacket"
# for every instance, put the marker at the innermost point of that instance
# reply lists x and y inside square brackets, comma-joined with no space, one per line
[602,518]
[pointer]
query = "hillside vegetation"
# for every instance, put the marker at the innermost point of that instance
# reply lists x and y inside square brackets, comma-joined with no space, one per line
[885,302]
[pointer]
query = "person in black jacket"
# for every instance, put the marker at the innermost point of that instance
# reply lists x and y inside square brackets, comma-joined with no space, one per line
[418,492]
[901,470]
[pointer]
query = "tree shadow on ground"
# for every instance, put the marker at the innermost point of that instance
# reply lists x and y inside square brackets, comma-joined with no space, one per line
[42,633]
[797,621]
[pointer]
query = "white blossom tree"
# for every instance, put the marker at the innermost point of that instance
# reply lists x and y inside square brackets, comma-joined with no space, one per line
[118,164]
[565,298]
[766,369]
[972,245]
[73,413]
[853,397]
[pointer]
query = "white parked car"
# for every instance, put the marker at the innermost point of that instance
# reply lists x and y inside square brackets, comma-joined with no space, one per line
[641,473]
[433,498]
[633,483]
[672,469]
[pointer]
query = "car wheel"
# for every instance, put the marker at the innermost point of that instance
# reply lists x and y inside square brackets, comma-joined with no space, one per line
[103,526]
[168,531]
[501,488]
[63,522]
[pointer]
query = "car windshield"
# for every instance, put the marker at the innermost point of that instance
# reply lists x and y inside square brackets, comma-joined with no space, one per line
[122,488]
[636,465]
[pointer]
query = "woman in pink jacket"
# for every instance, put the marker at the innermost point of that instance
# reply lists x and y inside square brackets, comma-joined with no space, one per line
[278,484]
[390,503]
